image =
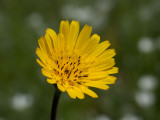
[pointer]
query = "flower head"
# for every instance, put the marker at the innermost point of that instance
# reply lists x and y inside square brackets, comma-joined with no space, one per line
[76,61]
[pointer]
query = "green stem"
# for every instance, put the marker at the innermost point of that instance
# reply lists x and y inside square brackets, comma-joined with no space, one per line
[56,98]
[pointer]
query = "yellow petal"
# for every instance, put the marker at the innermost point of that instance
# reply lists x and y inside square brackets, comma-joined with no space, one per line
[107,54]
[51,81]
[41,55]
[53,36]
[64,29]
[113,70]
[46,73]
[42,46]
[49,42]
[60,87]
[99,74]
[103,64]
[83,37]
[97,85]
[41,64]
[79,93]
[102,74]
[99,49]
[49,63]
[71,93]
[61,43]
[108,80]
[74,31]
[90,45]
[89,92]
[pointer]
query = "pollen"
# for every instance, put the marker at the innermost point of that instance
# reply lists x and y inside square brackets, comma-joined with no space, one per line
[68,68]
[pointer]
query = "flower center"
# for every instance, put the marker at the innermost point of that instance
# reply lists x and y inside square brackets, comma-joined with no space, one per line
[71,69]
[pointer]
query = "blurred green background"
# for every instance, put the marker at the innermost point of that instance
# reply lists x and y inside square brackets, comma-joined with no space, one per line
[133,28]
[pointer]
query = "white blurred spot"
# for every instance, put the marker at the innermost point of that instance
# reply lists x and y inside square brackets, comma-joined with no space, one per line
[130,117]
[81,14]
[21,101]
[145,13]
[155,6]
[2,118]
[35,20]
[104,5]
[147,82]
[145,45]
[145,99]
[102,117]
[85,14]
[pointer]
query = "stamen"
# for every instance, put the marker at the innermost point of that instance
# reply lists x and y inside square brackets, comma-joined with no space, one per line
[66,71]
[78,82]
[75,71]
[85,76]
[62,67]
[69,75]
[73,67]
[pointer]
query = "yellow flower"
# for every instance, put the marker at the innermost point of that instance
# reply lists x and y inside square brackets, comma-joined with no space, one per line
[76,61]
